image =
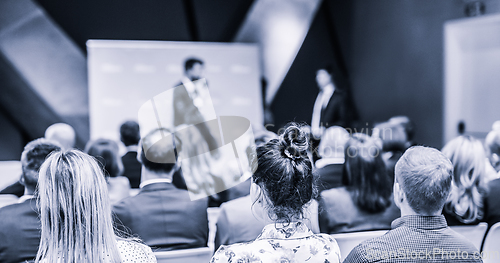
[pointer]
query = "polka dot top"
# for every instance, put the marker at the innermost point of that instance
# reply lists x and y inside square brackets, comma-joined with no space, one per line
[135,252]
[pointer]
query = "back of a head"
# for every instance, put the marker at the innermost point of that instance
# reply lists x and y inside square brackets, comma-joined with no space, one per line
[74,210]
[34,154]
[130,133]
[333,142]
[406,124]
[365,174]
[425,176]
[468,158]
[284,173]
[158,151]
[106,152]
[393,135]
[62,133]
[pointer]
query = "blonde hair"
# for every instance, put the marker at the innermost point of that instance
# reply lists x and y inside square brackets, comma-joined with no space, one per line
[466,197]
[75,211]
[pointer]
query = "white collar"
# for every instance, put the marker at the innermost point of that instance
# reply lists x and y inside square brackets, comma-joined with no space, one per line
[132,148]
[155,181]
[24,198]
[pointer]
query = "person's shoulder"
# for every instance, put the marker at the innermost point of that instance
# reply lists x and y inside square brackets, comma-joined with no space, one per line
[134,251]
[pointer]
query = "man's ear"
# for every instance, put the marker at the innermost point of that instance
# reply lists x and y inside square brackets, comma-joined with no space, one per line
[399,195]
[139,152]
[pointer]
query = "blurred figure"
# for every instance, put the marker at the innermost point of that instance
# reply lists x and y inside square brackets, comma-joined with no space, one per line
[365,200]
[492,144]
[330,105]
[62,133]
[19,223]
[106,153]
[282,188]
[396,136]
[331,165]
[421,187]
[75,212]
[161,214]
[130,136]
[465,205]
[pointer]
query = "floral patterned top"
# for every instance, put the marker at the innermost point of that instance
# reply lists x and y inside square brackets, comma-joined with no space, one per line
[284,244]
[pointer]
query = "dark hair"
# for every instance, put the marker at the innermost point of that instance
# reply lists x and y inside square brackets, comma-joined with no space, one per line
[33,156]
[129,133]
[425,175]
[285,174]
[189,63]
[106,153]
[365,175]
[160,155]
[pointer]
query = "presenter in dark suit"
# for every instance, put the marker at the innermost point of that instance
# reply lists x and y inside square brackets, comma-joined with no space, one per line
[162,215]
[19,223]
[330,105]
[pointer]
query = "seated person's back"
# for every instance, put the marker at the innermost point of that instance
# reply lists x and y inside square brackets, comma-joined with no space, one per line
[19,223]
[162,215]
[365,202]
[422,184]
[281,187]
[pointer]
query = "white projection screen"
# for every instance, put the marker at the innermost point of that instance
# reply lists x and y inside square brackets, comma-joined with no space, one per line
[123,75]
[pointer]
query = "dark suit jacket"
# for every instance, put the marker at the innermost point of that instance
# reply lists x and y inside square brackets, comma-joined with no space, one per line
[330,176]
[335,112]
[164,217]
[19,232]
[132,168]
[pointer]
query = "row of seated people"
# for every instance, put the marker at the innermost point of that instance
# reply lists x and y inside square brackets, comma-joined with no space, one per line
[165,218]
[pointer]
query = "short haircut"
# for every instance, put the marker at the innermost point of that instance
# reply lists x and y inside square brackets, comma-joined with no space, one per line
[425,176]
[159,150]
[33,156]
[189,63]
[129,133]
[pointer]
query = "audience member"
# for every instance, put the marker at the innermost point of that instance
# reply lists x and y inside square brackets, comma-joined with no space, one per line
[106,153]
[62,133]
[237,224]
[422,185]
[331,165]
[493,151]
[396,136]
[75,212]
[19,223]
[282,186]
[492,146]
[365,200]
[130,136]
[465,205]
[161,214]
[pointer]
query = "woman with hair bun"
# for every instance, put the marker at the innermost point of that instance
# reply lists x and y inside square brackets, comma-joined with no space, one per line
[75,214]
[282,187]
[465,204]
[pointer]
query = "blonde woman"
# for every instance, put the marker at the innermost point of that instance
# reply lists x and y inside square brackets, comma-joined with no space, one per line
[465,203]
[75,214]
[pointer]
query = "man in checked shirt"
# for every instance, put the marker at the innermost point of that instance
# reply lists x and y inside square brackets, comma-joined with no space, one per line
[421,234]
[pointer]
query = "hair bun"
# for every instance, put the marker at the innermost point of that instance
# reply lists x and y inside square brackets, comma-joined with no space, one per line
[294,142]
